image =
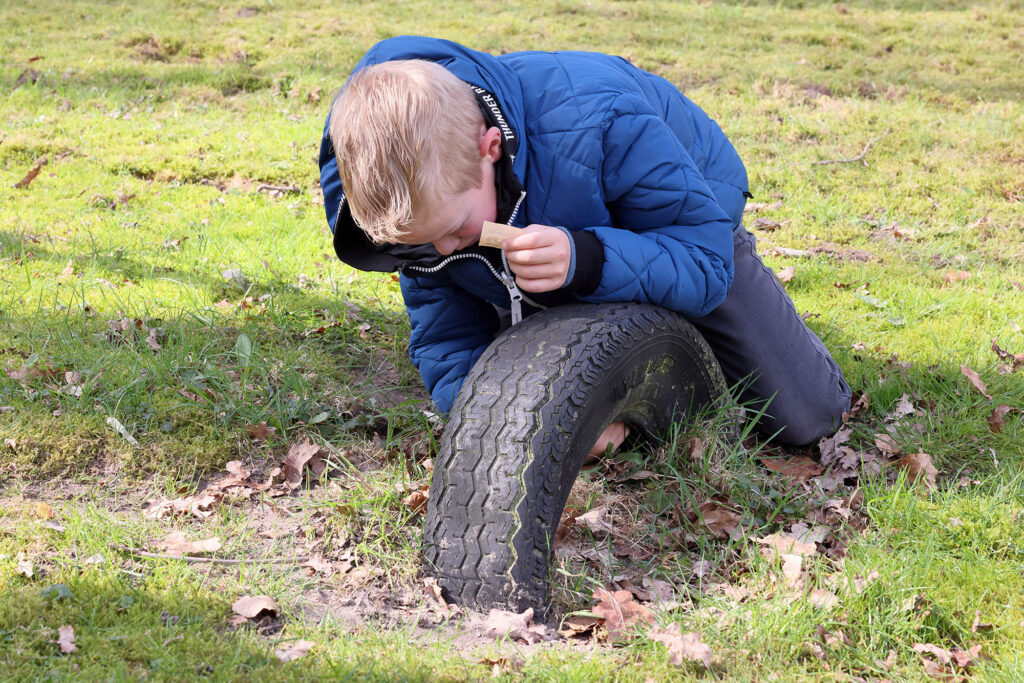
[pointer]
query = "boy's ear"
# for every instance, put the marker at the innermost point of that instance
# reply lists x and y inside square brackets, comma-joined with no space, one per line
[490,143]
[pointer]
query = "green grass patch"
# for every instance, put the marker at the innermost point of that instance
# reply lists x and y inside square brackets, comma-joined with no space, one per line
[169,271]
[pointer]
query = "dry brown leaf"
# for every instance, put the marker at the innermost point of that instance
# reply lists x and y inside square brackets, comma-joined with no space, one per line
[956,275]
[903,408]
[24,566]
[800,467]
[696,447]
[620,612]
[261,432]
[177,545]
[417,500]
[860,584]
[792,571]
[939,653]
[153,339]
[294,650]
[788,545]
[822,599]
[44,511]
[295,462]
[31,175]
[719,518]
[809,534]
[978,625]
[975,380]
[886,444]
[919,468]
[199,505]
[682,647]
[66,639]
[319,564]
[965,659]
[997,420]
[503,624]
[237,476]
[830,447]
[1016,360]
[502,665]
[578,625]
[433,590]
[786,274]
[595,520]
[251,607]
[314,95]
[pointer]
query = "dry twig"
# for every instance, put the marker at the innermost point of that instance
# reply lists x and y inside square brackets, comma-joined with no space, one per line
[207,560]
[859,157]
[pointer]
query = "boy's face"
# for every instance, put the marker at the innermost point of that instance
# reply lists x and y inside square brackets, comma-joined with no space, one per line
[456,223]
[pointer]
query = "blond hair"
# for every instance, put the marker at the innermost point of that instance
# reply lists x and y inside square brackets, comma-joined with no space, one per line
[405,134]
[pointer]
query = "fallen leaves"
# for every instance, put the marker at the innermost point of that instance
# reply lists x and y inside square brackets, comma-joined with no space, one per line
[294,650]
[66,639]
[956,276]
[299,456]
[997,420]
[943,663]
[919,468]
[177,545]
[975,380]
[260,432]
[682,647]
[800,467]
[720,519]
[199,505]
[23,566]
[504,624]
[31,175]
[620,612]
[252,607]
[302,457]
[788,545]
[417,499]
[786,274]
[1014,360]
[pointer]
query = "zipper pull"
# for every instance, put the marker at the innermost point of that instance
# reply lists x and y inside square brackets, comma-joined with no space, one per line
[515,296]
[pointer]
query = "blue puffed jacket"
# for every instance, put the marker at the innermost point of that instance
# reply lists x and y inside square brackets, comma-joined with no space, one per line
[648,187]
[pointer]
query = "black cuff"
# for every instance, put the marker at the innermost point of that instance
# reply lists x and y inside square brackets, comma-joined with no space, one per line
[589,263]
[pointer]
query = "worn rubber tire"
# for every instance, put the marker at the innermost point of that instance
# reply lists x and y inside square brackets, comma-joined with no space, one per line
[525,420]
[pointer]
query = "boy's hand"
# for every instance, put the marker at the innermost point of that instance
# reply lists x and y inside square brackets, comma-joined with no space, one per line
[613,435]
[539,256]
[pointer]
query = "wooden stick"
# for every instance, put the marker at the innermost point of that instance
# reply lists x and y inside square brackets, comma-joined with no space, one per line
[206,560]
[494,234]
[859,157]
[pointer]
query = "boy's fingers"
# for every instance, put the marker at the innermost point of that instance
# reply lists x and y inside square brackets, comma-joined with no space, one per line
[534,256]
[536,272]
[535,237]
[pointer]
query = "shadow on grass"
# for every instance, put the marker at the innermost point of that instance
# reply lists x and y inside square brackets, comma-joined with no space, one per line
[166,627]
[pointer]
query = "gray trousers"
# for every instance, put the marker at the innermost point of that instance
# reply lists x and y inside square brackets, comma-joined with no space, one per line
[760,340]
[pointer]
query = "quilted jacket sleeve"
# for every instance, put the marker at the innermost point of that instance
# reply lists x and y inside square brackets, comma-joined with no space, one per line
[672,242]
[450,329]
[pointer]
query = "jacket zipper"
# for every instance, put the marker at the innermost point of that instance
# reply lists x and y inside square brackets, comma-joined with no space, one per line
[505,277]
[515,296]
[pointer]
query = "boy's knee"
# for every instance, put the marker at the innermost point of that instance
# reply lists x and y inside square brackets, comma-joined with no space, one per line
[805,422]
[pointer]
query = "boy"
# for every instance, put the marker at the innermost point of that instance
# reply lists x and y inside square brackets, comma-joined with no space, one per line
[627,191]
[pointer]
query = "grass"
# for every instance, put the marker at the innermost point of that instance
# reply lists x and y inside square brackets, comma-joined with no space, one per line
[146,277]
